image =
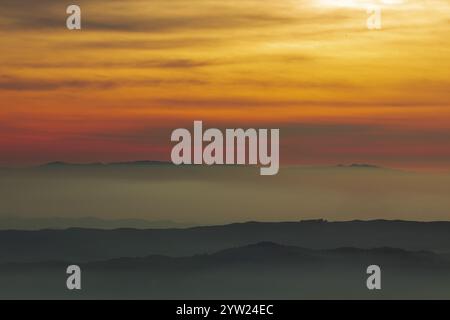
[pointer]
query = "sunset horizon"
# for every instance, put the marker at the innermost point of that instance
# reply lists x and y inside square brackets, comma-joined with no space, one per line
[225,158]
[338,92]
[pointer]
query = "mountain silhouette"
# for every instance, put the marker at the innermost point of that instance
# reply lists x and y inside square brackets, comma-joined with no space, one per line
[62,164]
[94,244]
[263,270]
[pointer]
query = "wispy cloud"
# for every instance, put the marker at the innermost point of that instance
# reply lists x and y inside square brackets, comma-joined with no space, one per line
[36,84]
[139,68]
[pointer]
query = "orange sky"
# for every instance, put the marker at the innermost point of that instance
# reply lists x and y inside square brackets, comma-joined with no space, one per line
[138,69]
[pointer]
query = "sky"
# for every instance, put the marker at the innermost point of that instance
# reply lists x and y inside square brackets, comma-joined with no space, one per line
[138,69]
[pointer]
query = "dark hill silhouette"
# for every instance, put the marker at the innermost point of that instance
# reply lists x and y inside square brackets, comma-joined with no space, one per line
[93,244]
[256,271]
[270,253]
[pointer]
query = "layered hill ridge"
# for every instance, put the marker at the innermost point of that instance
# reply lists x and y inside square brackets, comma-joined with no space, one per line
[94,244]
[263,270]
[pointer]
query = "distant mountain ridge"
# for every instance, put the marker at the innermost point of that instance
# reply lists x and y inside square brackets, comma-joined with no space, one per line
[271,253]
[94,244]
[140,163]
[60,164]
[360,165]
[263,270]
[22,223]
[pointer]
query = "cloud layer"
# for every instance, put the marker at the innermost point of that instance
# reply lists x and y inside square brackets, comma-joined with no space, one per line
[139,69]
